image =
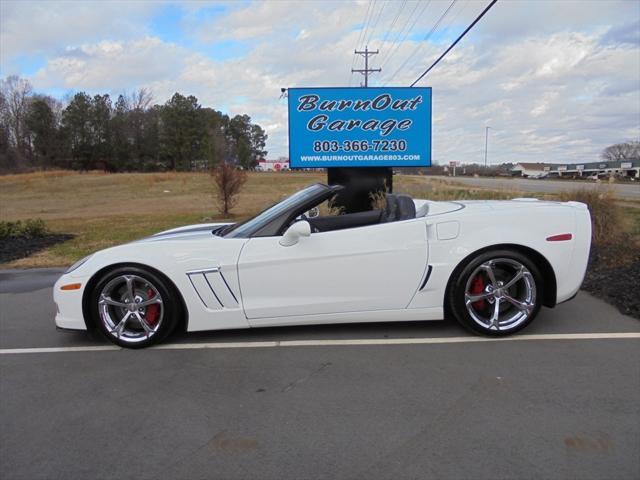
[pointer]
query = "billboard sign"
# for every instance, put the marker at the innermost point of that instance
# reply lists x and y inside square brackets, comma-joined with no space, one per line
[359,127]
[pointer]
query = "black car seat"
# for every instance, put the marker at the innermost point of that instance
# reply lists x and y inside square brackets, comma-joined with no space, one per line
[398,207]
[406,207]
[390,213]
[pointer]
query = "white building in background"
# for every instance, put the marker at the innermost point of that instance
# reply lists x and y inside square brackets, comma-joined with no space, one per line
[623,168]
[265,165]
[532,170]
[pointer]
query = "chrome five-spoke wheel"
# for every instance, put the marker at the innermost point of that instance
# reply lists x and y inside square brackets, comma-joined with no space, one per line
[500,294]
[134,307]
[131,308]
[496,293]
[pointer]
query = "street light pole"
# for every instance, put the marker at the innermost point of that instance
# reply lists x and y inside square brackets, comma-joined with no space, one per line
[486,143]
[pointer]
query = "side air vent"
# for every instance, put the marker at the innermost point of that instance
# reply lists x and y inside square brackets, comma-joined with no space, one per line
[213,289]
[426,278]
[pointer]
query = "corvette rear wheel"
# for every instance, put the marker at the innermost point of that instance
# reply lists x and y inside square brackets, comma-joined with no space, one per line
[133,307]
[497,293]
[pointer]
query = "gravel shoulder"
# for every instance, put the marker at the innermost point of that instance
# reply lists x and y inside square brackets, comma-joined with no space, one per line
[616,285]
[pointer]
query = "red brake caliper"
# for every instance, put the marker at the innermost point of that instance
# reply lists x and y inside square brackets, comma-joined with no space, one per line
[477,287]
[153,310]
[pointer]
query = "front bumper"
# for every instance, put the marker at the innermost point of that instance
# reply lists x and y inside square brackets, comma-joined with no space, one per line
[69,303]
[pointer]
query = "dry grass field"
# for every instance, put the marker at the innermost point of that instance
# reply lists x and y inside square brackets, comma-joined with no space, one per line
[106,209]
[102,209]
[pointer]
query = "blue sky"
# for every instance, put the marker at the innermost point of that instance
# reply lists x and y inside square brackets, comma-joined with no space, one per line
[558,80]
[172,24]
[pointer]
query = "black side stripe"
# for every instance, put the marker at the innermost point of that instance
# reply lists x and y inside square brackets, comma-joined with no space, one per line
[426,278]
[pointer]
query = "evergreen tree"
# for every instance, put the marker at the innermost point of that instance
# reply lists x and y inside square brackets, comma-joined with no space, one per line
[130,135]
[76,123]
[42,126]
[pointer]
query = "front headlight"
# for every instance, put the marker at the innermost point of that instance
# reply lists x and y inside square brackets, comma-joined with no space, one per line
[78,263]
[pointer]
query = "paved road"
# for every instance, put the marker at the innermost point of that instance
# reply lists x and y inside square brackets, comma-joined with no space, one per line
[514,409]
[622,191]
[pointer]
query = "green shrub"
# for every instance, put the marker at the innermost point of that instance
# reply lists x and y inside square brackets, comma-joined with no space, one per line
[8,229]
[32,227]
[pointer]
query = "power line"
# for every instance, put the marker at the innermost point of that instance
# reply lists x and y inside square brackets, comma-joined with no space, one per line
[493,2]
[375,24]
[456,14]
[406,34]
[372,4]
[365,25]
[353,62]
[395,19]
[395,43]
[425,39]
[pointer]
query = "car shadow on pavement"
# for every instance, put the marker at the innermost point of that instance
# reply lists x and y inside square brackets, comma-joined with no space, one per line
[444,328]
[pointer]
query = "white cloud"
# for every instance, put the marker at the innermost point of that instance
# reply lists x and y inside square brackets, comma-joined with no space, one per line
[45,27]
[557,81]
[113,65]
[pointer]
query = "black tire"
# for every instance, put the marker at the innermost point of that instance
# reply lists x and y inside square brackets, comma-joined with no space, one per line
[169,307]
[502,260]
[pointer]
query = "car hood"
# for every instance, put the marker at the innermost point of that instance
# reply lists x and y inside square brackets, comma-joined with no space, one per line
[189,232]
[190,247]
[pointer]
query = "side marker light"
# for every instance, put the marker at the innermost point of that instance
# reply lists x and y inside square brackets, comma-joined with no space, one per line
[563,237]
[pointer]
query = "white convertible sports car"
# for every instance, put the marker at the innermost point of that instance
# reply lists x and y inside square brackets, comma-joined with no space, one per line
[489,264]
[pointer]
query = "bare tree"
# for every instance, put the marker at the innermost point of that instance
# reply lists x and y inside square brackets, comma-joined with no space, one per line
[56,107]
[137,105]
[140,100]
[15,94]
[229,181]
[621,151]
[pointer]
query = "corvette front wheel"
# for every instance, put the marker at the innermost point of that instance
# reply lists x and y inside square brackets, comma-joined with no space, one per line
[497,293]
[133,307]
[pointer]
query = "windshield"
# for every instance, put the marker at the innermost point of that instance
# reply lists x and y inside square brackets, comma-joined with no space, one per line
[248,227]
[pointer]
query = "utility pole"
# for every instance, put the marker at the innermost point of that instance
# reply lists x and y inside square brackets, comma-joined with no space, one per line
[360,182]
[366,70]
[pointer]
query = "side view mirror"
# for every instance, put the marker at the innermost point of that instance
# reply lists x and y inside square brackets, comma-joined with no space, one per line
[294,232]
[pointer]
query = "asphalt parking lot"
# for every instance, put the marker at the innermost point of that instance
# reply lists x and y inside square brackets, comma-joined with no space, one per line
[409,400]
